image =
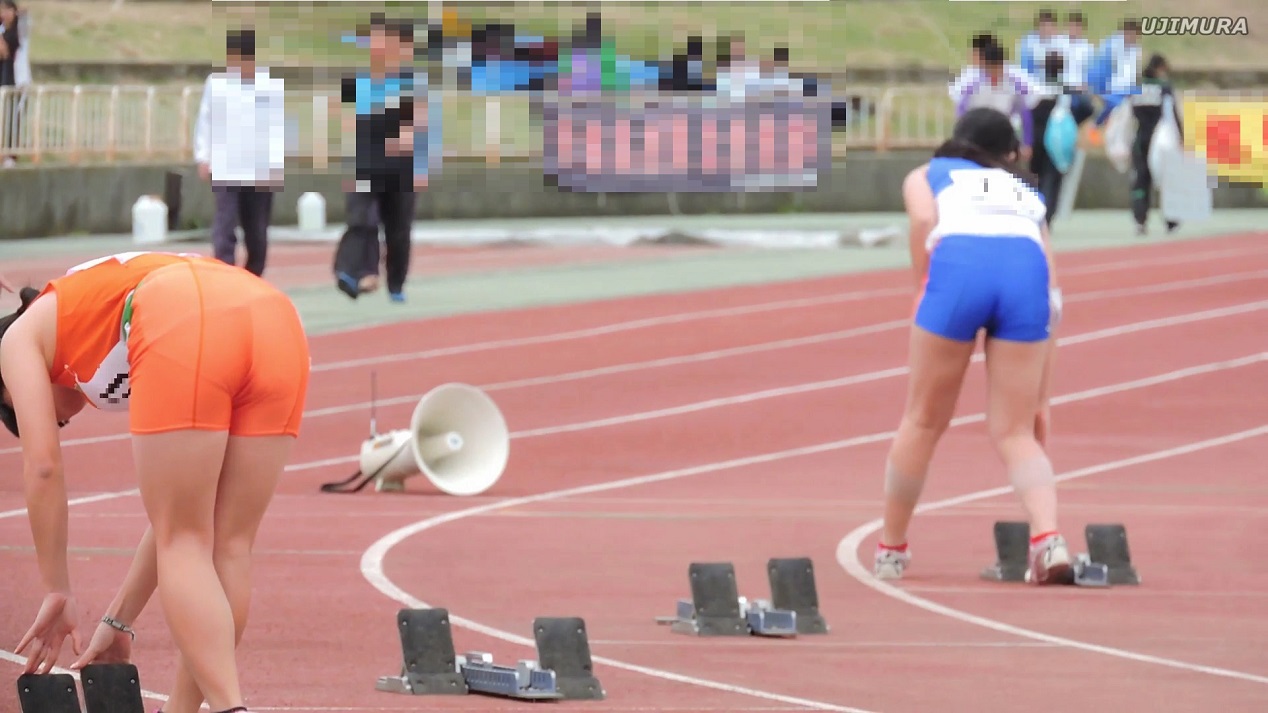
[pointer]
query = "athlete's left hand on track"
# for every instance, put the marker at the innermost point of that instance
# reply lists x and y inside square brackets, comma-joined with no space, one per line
[42,645]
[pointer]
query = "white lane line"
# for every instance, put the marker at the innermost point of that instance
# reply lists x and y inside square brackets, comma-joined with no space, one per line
[372,563]
[848,557]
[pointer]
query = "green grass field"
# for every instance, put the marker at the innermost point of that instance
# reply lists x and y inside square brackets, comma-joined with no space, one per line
[828,35]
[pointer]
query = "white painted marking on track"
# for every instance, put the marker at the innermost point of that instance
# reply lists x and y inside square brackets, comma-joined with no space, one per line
[816,386]
[848,557]
[372,563]
[692,358]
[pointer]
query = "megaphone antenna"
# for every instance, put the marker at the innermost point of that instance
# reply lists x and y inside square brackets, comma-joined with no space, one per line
[374,421]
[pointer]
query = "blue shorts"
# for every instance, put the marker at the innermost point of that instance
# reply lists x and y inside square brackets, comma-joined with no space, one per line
[996,284]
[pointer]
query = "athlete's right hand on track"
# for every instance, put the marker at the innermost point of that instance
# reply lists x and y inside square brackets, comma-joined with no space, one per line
[108,645]
[42,645]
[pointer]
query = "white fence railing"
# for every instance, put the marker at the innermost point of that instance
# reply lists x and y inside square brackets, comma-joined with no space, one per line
[93,123]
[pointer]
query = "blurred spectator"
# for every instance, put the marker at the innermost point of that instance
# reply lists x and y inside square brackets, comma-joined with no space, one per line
[686,73]
[1076,52]
[240,146]
[999,89]
[972,72]
[1147,107]
[1115,67]
[1034,48]
[15,71]
[1048,94]
[391,162]
[737,74]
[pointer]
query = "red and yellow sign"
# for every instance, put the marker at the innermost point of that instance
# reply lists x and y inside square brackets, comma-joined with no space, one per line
[1232,135]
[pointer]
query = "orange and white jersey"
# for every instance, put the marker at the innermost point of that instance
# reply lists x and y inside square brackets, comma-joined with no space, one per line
[93,316]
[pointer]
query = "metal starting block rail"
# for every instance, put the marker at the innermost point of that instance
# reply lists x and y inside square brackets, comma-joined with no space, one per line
[563,669]
[1106,563]
[717,609]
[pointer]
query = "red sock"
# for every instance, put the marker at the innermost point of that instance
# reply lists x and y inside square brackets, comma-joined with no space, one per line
[892,548]
[1043,536]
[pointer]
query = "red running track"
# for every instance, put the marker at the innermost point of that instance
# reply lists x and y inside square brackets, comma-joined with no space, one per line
[1163,349]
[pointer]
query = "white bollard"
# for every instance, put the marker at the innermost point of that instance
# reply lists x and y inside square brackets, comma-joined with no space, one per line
[312,212]
[149,221]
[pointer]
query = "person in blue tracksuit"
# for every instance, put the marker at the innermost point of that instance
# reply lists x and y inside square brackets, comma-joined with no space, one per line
[1116,67]
[979,247]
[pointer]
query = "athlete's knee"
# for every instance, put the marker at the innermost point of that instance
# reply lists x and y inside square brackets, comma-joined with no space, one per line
[926,420]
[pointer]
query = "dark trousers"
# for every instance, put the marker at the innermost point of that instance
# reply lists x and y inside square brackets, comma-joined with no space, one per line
[358,251]
[1143,180]
[250,207]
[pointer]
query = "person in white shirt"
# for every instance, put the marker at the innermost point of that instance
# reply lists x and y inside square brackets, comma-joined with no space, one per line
[1033,49]
[973,72]
[240,146]
[1077,52]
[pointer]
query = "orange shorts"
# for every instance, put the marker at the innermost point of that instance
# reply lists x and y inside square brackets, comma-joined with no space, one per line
[213,347]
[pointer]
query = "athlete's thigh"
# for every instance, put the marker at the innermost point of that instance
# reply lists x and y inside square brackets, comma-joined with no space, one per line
[178,473]
[1014,372]
[937,368]
[248,478]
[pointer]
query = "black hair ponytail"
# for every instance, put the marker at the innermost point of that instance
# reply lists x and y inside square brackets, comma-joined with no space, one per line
[27,295]
[986,137]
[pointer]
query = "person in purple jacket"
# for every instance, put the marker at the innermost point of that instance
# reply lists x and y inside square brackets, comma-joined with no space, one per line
[997,88]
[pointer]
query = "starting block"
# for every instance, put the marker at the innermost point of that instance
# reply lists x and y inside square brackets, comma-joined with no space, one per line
[431,667]
[717,609]
[1106,563]
[108,688]
[48,693]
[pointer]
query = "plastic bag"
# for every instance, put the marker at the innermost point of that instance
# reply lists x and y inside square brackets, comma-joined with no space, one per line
[1165,143]
[1061,136]
[1119,135]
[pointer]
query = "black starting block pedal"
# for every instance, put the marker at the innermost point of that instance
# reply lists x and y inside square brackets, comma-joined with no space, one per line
[792,588]
[1107,545]
[1106,563]
[111,688]
[48,693]
[1012,553]
[717,609]
[563,669]
[563,647]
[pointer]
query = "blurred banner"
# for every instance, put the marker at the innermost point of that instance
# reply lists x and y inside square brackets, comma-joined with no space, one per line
[1231,134]
[656,143]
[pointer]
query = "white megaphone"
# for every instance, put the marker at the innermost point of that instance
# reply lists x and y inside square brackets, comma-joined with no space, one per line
[457,438]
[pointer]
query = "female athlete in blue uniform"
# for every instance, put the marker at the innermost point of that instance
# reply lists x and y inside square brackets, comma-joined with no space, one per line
[979,252]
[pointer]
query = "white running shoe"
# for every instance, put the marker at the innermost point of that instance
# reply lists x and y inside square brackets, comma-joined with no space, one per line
[1050,562]
[890,564]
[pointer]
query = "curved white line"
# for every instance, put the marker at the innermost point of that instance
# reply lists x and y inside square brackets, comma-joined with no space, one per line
[372,562]
[847,556]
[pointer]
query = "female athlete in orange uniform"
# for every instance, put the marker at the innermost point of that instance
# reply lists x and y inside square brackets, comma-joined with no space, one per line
[212,364]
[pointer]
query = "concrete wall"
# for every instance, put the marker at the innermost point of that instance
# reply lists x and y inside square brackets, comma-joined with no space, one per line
[38,201]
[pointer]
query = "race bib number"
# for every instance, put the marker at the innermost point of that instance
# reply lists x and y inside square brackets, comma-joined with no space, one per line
[998,192]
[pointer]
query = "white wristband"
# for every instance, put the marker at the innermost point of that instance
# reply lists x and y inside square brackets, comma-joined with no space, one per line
[1055,304]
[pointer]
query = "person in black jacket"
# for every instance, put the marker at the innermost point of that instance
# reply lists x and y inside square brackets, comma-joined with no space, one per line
[1053,88]
[390,164]
[1155,88]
